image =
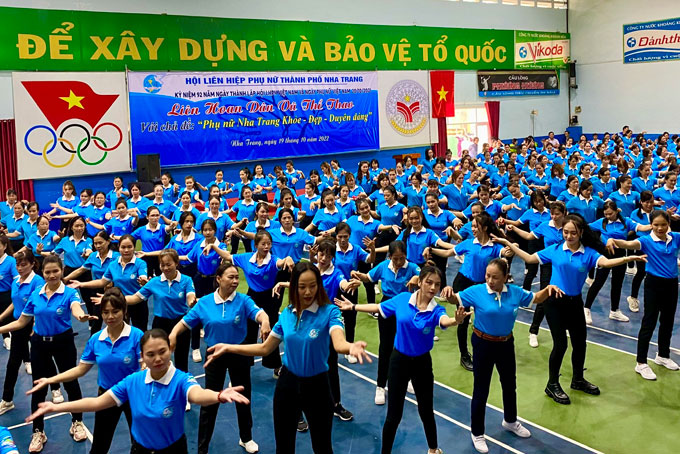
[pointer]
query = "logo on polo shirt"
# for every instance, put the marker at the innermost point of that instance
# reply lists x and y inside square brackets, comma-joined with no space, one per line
[237,319]
[313,333]
[582,269]
[127,359]
[168,412]
[265,277]
[427,330]
[60,310]
[214,262]
[180,294]
[132,276]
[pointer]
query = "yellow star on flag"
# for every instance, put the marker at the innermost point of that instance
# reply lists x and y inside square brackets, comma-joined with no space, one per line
[72,100]
[442,94]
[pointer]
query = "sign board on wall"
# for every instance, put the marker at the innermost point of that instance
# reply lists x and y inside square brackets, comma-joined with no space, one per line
[404,100]
[518,83]
[70,124]
[541,49]
[220,117]
[651,41]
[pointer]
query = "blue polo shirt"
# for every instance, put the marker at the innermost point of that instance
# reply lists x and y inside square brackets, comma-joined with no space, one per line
[244,209]
[47,242]
[550,234]
[558,185]
[670,198]
[640,185]
[169,296]
[119,227]
[258,277]
[295,211]
[157,406]
[22,291]
[308,340]
[331,279]
[51,316]
[440,222]
[466,231]
[390,215]
[98,216]
[566,196]
[290,245]
[73,251]
[166,208]
[252,227]
[415,328]
[70,203]
[325,220]
[178,213]
[183,247]
[569,269]
[585,207]
[377,197]
[305,202]
[169,193]
[642,218]
[14,225]
[152,240]
[97,266]
[348,209]
[112,196]
[523,203]
[125,276]
[625,202]
[223,223]
[348,260]
[6,209]
[416,242]
[393,282]
[206,264]
[617,229]
[495,313]
[224,321]
[114,360]
[361,229]
[662,254]
[8,271]
[535,217]
[142,205]
[417,198]
[477,257]
[494,208]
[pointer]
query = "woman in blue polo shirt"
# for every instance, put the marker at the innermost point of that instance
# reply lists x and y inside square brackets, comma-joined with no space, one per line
[261,221]
[493,344]
[391,215]
[8,272]
[166,208]
[128,274]
[586,205]
[661,290]
[116,352]
[603,185]
[327,218]
[13,223]
[157,398]
[123,224]
[224,315]
[307,326]
[51,308]
[533,217]
[184,242]
[415,192]
[185,206]
[152,237]
[395,275]
[116,193]
[76,247]
[364,226]
[309,203]
[625,198]
[98,213]
[417,315]
[245,212]
[287,241]
[640,216]
[571,261]
[43,241]
[478,252]
[138,204]
[223,222]
[612,225]
[345,204]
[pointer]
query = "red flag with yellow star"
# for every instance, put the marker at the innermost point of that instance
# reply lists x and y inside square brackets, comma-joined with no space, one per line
[65,100]
[441,87]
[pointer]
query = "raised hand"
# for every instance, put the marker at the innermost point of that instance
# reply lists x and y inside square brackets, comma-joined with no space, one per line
[343,303]
[461,313]
[358,350]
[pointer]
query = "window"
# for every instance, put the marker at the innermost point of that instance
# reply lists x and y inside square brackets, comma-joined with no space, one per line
[469,122]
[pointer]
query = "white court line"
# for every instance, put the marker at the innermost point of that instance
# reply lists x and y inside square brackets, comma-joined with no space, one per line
[88,433]
[604,330]
[438,413]
[500,410]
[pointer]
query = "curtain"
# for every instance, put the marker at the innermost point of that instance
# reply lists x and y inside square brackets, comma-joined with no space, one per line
[493,111]
[8,169]
[442,145]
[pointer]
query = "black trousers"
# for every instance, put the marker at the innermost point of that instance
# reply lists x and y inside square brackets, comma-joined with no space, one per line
[178,447]
[661,301]
[566,314]
[153,266]
[204,285]
[270,306]
[384,238]
[183,340]
[417,369]
[488,354]
[534,246]
[86,295]
[5,301]
[17,244]
[334,375]
[247,244]
[618,273]
[638,278]
[350,317]
[309,395]
[460,283]
[62,350]
[139,315]
[215,374]
[539,313]
[387,327]
[105,422]
[368,286]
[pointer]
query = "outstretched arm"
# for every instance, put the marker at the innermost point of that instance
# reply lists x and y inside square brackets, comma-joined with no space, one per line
[89,404]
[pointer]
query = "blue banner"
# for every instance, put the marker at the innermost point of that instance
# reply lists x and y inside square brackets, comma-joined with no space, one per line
[651,41]
[201,118]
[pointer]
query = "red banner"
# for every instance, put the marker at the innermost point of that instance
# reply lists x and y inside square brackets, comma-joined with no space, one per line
[441,87]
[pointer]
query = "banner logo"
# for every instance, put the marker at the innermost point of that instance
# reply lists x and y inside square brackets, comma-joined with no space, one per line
[151,85]
[407,107]
[651,41]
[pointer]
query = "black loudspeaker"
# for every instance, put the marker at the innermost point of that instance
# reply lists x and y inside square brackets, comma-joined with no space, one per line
[572,75]
[148,167]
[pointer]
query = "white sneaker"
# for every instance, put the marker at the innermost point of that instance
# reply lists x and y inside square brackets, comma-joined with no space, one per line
[351,359]
[480,444]
[202,333]
[29,369]
[632,270]
[38,440]
[7,342]
[250,446]
[57,397]
[379,396]
[646,371]
[589,281]
[618,316]
[377,289]
[633,304]
[666,362]
[196,356]
[533,340]
[77,431]
[436,338]
[188,407]
[517,428]
[589,319]
[409,388]
[7,406]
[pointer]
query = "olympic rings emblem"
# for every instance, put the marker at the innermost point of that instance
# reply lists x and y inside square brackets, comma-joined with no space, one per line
[68,146]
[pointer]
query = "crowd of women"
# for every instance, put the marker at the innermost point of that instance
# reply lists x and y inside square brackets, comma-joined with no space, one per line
[573,212]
